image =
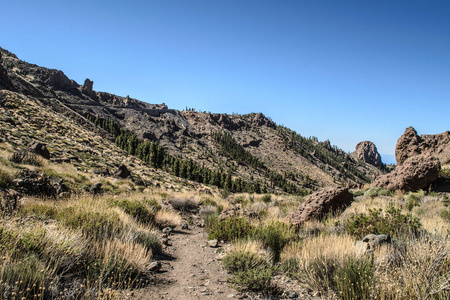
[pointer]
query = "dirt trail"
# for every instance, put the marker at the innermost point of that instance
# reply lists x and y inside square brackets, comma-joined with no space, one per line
[194,272]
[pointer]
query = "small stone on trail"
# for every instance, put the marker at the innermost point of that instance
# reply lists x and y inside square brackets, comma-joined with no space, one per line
[155,266]
[213,243]
[167,230]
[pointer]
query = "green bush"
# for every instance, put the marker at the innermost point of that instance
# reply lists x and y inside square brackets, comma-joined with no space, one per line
[445,200]
[150,241]
[258,279]
[5,179]
[266,198]
[250,271]
[95,224]
[207,202]
[275,236]
[376,191]
[357,193]
[231,229]
[392,222]
[354,280]
[445,214]
[137,210]
[237,261]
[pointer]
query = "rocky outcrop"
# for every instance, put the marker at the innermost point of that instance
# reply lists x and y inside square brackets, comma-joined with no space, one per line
[411,144]
[5,83]
[122,172]
[416,172]
[40,149]
[321,203]
[87,88]
[367,152]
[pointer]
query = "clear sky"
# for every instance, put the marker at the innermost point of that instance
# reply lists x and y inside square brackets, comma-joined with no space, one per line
[347,71]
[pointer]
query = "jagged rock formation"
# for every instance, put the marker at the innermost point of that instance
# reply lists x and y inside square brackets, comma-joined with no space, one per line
[367,152]
[416,172]
[410,144]
[87,88]
[321,203]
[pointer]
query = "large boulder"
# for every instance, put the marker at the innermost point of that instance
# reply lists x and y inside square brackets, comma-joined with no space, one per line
[416,172]
[367,152]
[40,149]
[411,144]
[320,203]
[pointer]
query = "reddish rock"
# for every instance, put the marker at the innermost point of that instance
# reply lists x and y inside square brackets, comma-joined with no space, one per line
[367,152]
[321,203]
[411,144]
[416,172]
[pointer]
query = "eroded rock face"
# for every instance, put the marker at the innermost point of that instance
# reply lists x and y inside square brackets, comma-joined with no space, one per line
[367,152]
[87,88]
[320,203]
[416,172]
[411,144]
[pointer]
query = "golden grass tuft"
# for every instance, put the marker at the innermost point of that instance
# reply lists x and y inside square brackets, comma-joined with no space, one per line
[167,218]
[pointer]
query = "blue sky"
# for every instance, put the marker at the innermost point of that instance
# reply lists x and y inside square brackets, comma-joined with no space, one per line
[341,70]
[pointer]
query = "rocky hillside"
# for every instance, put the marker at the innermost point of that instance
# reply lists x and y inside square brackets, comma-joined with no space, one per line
[240,152]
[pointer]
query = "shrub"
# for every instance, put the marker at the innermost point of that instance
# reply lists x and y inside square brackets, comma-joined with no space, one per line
[150,242]
[357,193]
[231,229]
[26,157]
[355,278]
[237,261]
[209,215]
[250,270]
[412,199]
[137,210]
[266,198]
[275,236]
[376,191]
[184,204]
[445,214]
[92,223]
[392,222]
[258,279]
[5,179]
[207,202]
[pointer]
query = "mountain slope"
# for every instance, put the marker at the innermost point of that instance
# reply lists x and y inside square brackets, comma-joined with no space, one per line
[253,149]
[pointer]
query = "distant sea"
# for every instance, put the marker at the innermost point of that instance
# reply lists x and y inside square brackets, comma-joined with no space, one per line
[388,159]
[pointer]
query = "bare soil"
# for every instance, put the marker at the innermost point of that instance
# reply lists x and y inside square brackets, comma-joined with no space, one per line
[191,270]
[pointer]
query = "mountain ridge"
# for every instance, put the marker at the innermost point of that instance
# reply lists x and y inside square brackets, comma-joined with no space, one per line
[303,163]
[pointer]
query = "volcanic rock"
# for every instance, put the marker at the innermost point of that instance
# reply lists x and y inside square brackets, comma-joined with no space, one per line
[320,203]
[410,144]
[367,152]
[417,172]
[87,88]
[40,149]
[122,172]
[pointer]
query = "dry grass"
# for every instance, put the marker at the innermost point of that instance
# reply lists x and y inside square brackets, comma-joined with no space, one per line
[167,218]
